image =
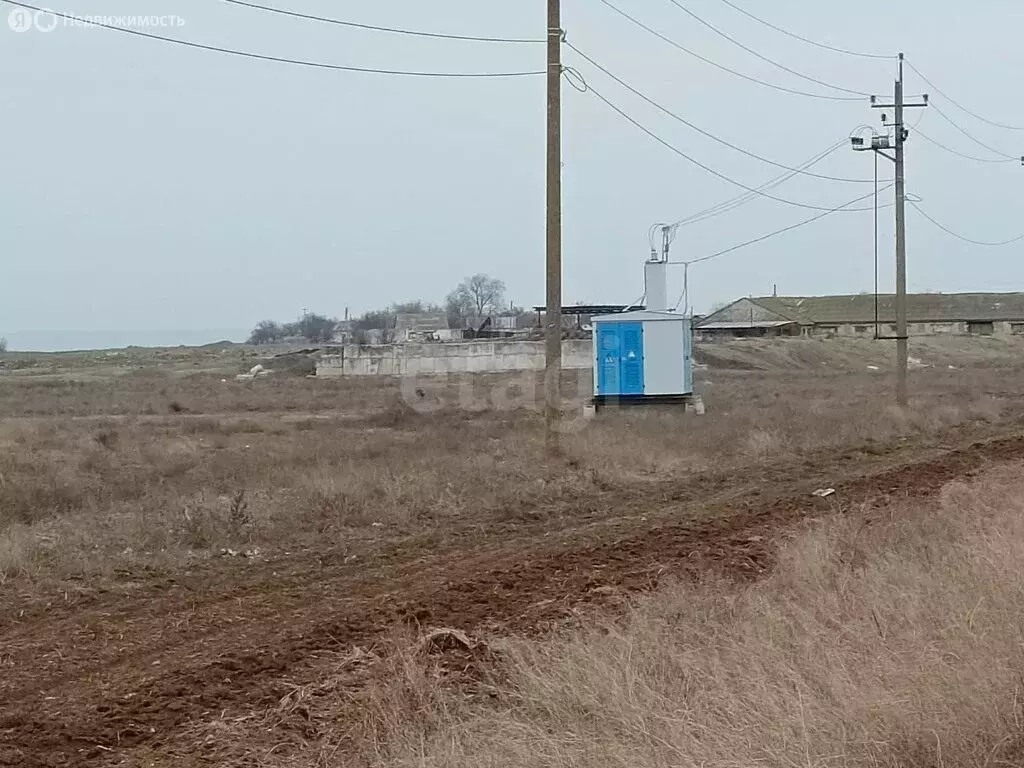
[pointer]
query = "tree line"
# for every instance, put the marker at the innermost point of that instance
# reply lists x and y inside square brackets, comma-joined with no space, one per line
[311,327]
[475,297]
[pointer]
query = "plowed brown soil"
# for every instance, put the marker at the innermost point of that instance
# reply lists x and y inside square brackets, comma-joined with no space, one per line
[121,676]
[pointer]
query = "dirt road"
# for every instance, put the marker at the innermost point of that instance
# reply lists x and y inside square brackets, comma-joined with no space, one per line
[124,677]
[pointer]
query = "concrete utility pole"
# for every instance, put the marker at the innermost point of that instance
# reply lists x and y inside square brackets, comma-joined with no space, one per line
[553,351]
[686,289]
[878,144]
[901,248]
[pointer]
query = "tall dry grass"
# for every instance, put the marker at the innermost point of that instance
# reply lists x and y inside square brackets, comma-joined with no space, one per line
[758,419]
[84,499]
[890,642]
[130,481]
[157,391]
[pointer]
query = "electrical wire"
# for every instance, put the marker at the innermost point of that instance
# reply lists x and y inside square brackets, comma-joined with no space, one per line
[699,164]
[650,235]
[575,79]
[372,27]
[958,236]
[966,133]
[723,208]
[760,56]
[815,43]
[740,200]
[277,59]
[952,151]
[735,202]
[957,104]
[679,301]
[715,64]
[746,197]
[845,208]
[701,131]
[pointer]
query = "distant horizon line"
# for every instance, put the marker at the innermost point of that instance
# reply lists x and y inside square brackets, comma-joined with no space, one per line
[127,330]
[90,340]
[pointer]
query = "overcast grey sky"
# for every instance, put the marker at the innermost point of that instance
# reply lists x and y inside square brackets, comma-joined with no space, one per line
[150,186]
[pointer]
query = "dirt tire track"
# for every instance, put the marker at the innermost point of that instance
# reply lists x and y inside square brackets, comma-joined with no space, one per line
[142,699]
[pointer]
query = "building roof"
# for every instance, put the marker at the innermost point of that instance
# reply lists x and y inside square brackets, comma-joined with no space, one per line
[592,309]
[638,316]
[424,322]
[921,307]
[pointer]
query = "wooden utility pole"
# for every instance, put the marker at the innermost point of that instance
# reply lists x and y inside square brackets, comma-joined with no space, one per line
[553,351]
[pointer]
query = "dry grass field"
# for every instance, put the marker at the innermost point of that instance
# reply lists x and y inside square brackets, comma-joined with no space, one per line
[199,571]
[892,639]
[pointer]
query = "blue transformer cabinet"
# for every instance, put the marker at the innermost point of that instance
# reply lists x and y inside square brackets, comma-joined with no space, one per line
[642,357]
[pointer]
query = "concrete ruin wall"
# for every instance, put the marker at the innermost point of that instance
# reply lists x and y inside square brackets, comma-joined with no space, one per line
[469,357]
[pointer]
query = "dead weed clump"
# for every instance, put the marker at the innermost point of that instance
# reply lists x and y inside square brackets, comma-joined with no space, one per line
[396,414]
[763,444]
[32,489]
[877,643]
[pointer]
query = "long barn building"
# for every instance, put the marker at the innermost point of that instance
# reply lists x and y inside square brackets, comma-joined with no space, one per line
[983,314]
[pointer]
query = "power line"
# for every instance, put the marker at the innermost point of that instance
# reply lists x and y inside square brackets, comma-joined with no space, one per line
[372,27]
[970,136]
[703,132]
[965,156]
[762,57]
[845,207]
[277,59]
[740,200]
[816,44]
[715,64]
[958,236]
[699,164]
[958,105]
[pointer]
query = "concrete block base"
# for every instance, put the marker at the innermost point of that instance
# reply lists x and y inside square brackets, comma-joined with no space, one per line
[690,402]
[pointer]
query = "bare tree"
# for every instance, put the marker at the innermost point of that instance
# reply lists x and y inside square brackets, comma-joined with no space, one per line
[266,332]
[476,296]
[417,307]
[375,320]
[317,328]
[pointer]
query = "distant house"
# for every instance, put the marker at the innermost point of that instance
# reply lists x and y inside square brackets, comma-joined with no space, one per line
[982,314]
[423,326]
